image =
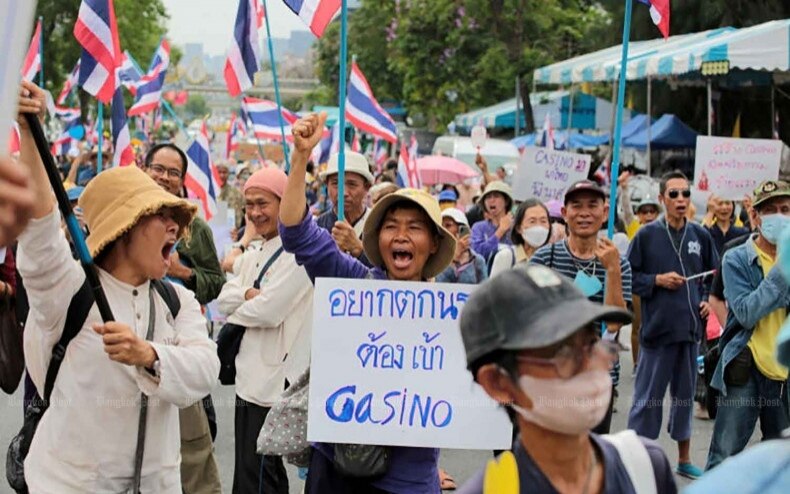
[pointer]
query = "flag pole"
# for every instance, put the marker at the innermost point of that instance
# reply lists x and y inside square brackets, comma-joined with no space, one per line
[276,86]
[618,124]
[341,159]
[41,52]
[100,131]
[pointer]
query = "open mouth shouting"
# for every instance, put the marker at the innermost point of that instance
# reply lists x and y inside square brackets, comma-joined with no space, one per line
[402,258]
[167,249]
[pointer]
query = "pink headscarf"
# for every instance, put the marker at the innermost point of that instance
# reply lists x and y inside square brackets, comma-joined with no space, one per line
[269,179]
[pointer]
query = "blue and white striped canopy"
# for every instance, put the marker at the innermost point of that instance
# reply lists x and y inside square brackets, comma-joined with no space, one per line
[762,47]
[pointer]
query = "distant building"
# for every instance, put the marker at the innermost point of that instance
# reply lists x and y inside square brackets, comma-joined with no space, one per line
[192,51]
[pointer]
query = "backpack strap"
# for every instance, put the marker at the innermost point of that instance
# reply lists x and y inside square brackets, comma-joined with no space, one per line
[76,315]
[168,293]
[512,256]
[636,460]
[257,283]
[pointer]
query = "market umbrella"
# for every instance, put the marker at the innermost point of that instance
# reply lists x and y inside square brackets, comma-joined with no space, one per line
[444,170]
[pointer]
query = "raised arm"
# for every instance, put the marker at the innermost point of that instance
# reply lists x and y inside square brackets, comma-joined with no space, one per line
[307,134]
[33,100]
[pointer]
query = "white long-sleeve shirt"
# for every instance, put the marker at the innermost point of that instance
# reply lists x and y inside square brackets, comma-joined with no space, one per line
[86,440]
[276,345]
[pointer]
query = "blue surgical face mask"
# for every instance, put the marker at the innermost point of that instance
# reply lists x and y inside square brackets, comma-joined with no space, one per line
[772,226]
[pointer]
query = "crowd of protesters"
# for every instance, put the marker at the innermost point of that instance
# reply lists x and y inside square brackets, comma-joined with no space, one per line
[543,327]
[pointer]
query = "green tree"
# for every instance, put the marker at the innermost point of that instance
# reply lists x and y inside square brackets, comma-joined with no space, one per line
[196,107]
[141,24]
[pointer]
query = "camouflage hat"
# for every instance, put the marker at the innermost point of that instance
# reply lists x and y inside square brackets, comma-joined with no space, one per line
[770,189]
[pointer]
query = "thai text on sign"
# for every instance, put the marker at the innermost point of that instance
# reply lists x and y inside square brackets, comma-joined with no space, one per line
[545,173]
[389,368]
[732,168]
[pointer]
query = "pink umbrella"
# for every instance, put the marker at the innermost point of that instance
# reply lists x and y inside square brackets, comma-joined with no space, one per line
[444,170]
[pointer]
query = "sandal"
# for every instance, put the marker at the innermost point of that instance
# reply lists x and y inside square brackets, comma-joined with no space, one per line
[446,482]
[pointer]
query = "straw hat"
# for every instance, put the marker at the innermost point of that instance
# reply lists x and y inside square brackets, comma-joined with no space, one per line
[116,199]
[355,163]
[502,188]
[438,261]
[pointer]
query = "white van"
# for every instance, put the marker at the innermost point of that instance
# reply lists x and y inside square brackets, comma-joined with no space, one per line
[497,152]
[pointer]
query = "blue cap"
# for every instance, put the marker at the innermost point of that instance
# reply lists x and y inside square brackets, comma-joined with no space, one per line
[75,192]
[447,195]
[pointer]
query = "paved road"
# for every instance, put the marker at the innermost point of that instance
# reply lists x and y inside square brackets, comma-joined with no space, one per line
[462,464]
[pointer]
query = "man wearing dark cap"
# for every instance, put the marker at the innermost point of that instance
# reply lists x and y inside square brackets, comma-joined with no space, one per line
[670,257]
[751,379]
[594,264]
[533,343]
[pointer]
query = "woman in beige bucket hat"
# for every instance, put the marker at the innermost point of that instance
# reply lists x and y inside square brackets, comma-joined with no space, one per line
[86,440]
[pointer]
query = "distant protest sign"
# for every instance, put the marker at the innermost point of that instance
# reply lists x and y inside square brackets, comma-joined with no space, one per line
[732,168]
[545,173]
[388,368]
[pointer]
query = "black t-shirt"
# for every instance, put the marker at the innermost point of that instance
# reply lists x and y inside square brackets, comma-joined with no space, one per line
[616,479]
[717,288]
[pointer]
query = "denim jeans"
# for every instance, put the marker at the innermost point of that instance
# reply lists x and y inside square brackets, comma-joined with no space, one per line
[738,412]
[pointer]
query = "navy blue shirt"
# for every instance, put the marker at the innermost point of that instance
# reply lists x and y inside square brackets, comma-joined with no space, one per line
[671,316]
[720,238]
[616,480]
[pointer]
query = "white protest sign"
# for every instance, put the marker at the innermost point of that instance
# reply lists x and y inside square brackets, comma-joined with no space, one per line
[389,368]
[732,168]
[478,136]
[545,173]
[16,23]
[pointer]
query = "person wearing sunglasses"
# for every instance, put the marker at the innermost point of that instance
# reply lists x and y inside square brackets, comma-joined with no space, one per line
[666,255]
[533,343]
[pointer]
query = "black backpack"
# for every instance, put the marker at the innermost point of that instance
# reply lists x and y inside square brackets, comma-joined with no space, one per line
[77,313]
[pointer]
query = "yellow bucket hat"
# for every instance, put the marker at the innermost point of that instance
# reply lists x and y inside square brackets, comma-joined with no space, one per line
[116,199]
[438,261]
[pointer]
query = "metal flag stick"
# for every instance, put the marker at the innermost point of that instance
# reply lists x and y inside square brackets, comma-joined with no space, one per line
[276,87]
[341,159]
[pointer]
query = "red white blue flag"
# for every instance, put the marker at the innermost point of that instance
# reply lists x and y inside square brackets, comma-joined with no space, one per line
[265,119]
[244,54]
[62,145]
[202,178]
[123,154]
[235,134]
[659,11]
[316,14]
[149,87]
[32,62]
[547,138]
[408,175]
[380,154]
[364,112]
[67,114]
[128,74]
[97,33]
[71,82]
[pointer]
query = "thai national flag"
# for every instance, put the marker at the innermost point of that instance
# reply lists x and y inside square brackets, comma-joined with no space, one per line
[67,114]
[62,144]
[380,154]
[265,119]
[149,88]
[408,175]
[123,154]
[97,33]
[14,142]
[70,83]
[355,145]
[364,112]
[32,63]
[315,13]
[128,73]
[244,54]
[202,179]
[659,11]
[235,134]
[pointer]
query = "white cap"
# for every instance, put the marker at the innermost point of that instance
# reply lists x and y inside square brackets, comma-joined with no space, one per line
[456,215]
[355,163]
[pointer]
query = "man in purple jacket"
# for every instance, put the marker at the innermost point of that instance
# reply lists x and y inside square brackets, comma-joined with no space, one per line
[404,240]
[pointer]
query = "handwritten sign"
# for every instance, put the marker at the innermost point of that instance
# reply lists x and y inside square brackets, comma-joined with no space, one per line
[545,173]
[16,23]
[732,168]
[389,368]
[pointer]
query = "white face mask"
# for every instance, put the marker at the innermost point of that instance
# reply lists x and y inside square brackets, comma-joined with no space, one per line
[535,236]
[568,406]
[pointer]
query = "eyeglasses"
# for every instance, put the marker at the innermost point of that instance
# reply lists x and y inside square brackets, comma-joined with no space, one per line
[570,358]
[161,170]
[674,193]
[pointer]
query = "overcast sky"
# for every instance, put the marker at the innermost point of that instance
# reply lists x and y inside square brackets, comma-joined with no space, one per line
[211,22]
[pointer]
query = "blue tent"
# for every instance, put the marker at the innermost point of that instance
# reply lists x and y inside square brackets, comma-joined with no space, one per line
[561,139]
[669,132]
